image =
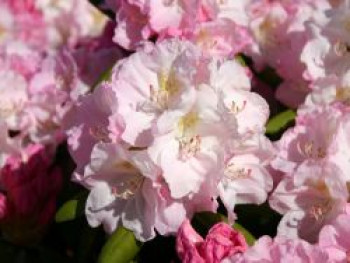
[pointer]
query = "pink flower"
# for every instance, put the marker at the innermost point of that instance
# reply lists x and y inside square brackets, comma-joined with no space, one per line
[317,138]
[31,186]
[221,242]
[154,82]
[245,178]
[312,198]
[334,239]
[126,190]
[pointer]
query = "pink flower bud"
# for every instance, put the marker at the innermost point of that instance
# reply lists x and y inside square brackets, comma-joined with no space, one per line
[221,242]
[31,186]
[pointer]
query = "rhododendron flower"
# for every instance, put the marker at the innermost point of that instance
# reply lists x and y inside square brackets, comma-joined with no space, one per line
[187,148]
[30,186]
[334,239]
[196,143]
[313,197]
[119,191]
[126,190]
[317,138]
[281,249]
[246,179]
[221,242]
[158,80]
[313,157]
[328,90]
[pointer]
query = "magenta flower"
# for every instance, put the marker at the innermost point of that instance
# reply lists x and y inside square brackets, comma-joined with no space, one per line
[31,186]
[221,242]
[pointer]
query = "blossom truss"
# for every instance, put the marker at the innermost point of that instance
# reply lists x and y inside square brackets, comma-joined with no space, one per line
[334,238]
[218,27]
[37,89]
[313,157]
[48,24]
[327,51]
[173,130]
[279,33]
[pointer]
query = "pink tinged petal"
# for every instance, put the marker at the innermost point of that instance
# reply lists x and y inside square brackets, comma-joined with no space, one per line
[87,122]
[229,199]
[171,216]
[100,208]
[138,216]
[221,76]
[187,241]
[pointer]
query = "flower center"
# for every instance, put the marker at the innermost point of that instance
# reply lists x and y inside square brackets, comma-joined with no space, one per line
[187,124]
[341,48]
[127,188]
[100,133]
[265,33]
[205,40]
[319,211]
[188,147]
[232,172]
[169,86]
[235,108]
[7,108]
[309,150]
[343,95]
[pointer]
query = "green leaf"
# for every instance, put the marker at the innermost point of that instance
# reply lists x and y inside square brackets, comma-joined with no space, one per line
[247,235]
[72,209]
[280,122]
[121,247]
[240,60]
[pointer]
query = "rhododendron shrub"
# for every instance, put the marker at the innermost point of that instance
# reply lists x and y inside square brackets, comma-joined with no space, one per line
[173,130]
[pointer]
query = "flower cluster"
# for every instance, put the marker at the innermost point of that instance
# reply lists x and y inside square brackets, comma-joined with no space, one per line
[169,134]
[177,127]
[164,107]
